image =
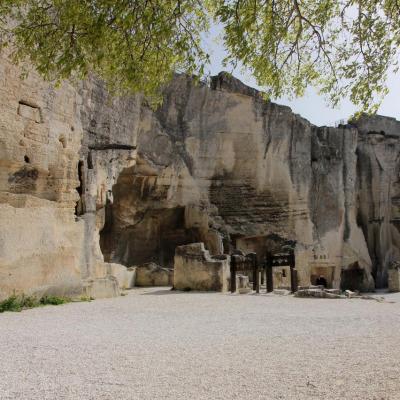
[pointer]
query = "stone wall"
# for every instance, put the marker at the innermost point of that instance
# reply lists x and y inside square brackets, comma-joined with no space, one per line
[261,175]
[214,164]
[40,134]
[60,154]
[195,269]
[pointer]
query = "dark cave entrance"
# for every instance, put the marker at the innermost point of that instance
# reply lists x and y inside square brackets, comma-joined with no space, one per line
[352,278]
[138,229]
[79,208]
[261,245]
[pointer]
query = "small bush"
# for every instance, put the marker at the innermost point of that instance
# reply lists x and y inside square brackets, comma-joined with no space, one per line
[10,304]
[29,302]
[22,302]
[54,300]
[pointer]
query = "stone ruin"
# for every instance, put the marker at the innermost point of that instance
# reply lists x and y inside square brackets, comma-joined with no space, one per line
[93,186]
[195,269]
[394,277]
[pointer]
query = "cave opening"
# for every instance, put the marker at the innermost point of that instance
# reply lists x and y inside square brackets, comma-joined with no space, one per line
[352,278]
[139,227]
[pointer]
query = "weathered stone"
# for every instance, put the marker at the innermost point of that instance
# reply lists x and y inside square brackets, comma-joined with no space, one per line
[49,243]
[126,277]
[151,274]
[217,165]
[333,296]
[243,284]
[394,280]
[282,292]
[310,293]
[101,288]
[350,294]
[333,291]
[195,269]
[319,293]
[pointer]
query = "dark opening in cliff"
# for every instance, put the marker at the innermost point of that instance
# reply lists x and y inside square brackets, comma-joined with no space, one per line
[264,244]
[352,278]
[138,229]
[79,204]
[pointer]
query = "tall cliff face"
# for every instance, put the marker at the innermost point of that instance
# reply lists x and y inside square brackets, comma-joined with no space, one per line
[40,134]
[61,150]
[378,191]
[215,164]
[244,173]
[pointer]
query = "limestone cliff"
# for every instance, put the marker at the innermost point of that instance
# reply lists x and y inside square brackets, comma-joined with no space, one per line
[215,163]
[221,165]
[61,150]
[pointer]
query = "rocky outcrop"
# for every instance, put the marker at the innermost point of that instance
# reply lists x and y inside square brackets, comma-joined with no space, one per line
[40,133]
[61,150]
[237,171]
[250,174]
[378,191]
[214,164]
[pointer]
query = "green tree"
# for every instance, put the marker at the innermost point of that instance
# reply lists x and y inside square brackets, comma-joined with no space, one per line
[342,47]
[132,45]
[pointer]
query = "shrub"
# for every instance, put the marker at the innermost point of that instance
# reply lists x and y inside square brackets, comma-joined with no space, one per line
[22,302]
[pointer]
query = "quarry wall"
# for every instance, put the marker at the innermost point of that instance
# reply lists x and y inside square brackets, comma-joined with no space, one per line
[88,181]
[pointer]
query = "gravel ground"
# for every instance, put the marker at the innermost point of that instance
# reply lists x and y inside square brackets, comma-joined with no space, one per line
[159,344]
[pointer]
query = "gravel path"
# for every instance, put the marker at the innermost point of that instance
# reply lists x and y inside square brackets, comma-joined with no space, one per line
[158,344]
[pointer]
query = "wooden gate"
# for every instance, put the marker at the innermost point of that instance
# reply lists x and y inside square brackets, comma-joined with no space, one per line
[281,260]
[249,262]
[245,263]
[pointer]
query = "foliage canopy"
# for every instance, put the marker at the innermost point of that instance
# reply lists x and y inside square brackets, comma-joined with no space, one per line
[342,47]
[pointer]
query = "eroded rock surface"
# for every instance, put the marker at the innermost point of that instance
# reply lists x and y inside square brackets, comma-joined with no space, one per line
[61,150]
[214,164]
[253,175]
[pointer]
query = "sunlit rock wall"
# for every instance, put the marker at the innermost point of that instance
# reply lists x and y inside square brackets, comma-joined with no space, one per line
[378,191]
[214,164]
[247,173]
[60,154]
[40,136]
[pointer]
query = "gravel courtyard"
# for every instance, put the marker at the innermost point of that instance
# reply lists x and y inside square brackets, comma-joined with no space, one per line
[159,344]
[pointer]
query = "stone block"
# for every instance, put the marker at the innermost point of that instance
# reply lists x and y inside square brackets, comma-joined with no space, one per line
[101,288]
[125,276]
[282,292]
[151,274]
[195,269]
[243,284]
[350,294]
[394,280]
[334,291]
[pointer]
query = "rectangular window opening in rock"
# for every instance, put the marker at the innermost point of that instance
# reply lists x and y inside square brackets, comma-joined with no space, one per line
[30,111]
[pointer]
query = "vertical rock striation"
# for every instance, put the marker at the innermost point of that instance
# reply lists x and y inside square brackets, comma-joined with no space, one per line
[88,182]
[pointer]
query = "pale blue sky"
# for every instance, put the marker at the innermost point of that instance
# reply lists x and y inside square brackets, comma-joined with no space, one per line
[312,106]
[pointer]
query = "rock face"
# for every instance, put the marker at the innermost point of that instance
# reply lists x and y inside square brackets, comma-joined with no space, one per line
[245,173]
[40,133]
[60,153]
[214,164]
